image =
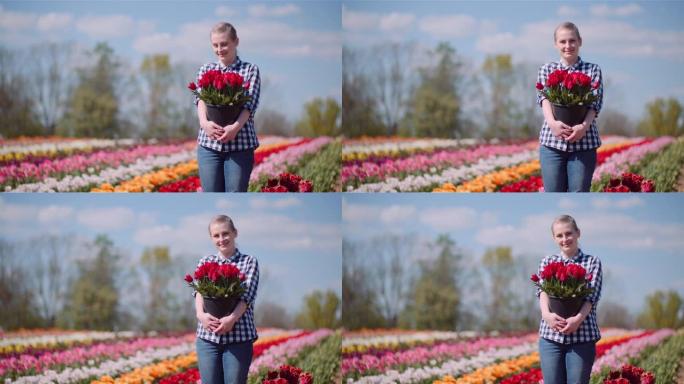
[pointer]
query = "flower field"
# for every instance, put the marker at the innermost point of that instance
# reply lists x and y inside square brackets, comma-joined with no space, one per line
[441,165]
[99,165]
[381,356]
[126,357]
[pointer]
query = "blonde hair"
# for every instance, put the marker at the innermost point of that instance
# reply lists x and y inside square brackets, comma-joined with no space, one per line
[565,219]
[570,26]
[224,27]
[222,219]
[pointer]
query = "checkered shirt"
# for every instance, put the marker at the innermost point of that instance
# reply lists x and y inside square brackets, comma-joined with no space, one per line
[246,137]
[588,329]
[591,139]
[244,329]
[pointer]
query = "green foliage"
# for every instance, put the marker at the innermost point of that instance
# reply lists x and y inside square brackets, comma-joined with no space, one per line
[663,117]
[569,288]
[156,264]
[322,361]
[664,361]
[579,95]
[19,113]
[156,71]
[93,106]
[498,70]
[322,168]
[320,310]
[320,118]
[664,167]
[18,303]
[662,311]
[93,297]
[435,108]
[436,294]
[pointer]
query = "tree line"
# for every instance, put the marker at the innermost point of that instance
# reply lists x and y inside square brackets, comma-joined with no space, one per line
[56,281]
[398,281]
[401,89]
[95,93]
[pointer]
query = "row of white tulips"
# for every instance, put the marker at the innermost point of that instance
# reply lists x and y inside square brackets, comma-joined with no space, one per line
[420,336]
[63,338]
[419,144]
[52,145]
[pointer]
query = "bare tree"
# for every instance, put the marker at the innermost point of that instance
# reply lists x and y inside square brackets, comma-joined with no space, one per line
[393,81]
[50,275]
[391,255]
[272,314]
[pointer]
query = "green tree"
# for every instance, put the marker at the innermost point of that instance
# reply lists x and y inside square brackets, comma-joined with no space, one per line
[18,117]
[93,106]
[360,307]
[321,118]
[498,71]
[93,298]
[663,310]
[157,75]
[663,117]
[435,108]
[159,308]
[19,306]
[360,115]
[320,310]
[436,294]
[502,308]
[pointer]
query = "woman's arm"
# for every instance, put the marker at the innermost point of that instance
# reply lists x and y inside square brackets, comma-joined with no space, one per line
[579,130]
[208,321]
[558,128]
[553,320]
[574,322]
[213,130]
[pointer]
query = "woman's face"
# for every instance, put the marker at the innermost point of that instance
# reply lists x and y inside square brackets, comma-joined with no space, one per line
[223,237]
[568,44]
[223,46]
[565,235]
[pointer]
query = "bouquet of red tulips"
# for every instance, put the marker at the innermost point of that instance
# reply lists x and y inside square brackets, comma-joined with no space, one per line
[287,374]
[630,182]
[288,182]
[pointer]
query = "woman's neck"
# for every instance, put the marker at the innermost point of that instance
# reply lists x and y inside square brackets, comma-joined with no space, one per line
[568,63]
[229,61]
[570,254]
[227,256]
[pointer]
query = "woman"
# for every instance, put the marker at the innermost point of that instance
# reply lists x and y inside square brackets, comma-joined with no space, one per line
[568,154]
[567,347]
[224,346]
[226,154]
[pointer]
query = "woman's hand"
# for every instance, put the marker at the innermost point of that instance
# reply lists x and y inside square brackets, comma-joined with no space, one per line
[230,131]
[208,321]
[572,323]
[213,130]
[554,321]
[578,132]
[226,324]
[560,129]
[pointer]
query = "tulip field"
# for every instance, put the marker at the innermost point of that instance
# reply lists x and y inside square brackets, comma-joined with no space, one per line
[444,165]
[385,356]
[126,357]
[100,165]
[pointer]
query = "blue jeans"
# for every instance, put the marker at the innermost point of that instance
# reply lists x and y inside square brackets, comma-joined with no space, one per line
[566,363]
[223,363]
[224,171]
[567,171]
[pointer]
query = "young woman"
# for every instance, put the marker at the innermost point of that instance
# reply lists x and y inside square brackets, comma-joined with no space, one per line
[568,154]
[226,154]
[567,347]
[224,346]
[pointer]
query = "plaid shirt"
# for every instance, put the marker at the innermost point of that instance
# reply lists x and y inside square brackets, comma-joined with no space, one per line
[591,139]
[588,329]
[244,329]
[246,137]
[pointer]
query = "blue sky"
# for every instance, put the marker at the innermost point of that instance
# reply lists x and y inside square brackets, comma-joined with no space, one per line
[295,238]
[637,237]
[639,45]
[297,45]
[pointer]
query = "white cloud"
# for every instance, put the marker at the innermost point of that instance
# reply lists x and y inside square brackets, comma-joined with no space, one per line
[354,213]
[566,10]
[397,214]
[605,10]
[449,26]
[262,10]
[274,202]
[531,234]
[106,26]
[449,218]
[15,21]
[225,11]
[55,213]
[53,21]
[155,43]
[106,218]
[225,204]
[354,21]
[617,203]
[14,213]
[396,21]
[567,203]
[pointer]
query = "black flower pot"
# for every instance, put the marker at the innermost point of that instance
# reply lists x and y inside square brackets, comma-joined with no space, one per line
[223,114]
[565,307]
[570,115]
[219,306]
